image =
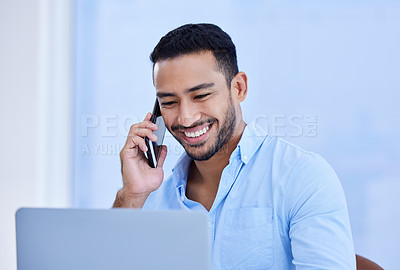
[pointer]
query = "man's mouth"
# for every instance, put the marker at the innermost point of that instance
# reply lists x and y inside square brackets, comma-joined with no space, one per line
[197,134]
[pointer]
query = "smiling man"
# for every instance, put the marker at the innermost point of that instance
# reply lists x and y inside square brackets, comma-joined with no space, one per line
[271,205]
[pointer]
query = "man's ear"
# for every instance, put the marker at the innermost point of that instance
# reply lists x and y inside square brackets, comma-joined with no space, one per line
[239,86]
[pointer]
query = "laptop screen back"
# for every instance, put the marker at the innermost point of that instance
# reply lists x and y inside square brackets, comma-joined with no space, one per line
[111,239]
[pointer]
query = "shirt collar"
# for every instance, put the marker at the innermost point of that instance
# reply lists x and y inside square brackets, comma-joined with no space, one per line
[252,137]
[179,172]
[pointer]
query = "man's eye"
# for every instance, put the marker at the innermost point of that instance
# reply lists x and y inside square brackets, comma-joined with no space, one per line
[167,103]
[201,96]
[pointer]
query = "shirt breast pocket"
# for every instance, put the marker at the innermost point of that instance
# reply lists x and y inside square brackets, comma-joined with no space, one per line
[247,239]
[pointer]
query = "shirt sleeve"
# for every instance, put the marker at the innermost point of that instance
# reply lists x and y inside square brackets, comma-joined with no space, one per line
[319,226]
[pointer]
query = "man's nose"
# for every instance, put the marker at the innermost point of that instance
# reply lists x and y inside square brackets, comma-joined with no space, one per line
[188,114]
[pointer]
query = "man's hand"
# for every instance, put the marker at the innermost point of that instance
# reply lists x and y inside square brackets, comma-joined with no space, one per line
[139,179]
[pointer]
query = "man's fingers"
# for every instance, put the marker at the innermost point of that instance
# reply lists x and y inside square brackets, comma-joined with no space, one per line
[162,156]
[134,141]
[144,132]
[147,117]
[140,142]
[144,124]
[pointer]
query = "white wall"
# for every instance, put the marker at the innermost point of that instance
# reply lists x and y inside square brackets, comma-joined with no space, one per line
[34,109]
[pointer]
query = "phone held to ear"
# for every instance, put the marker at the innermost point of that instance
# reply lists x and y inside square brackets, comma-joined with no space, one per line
[154,148]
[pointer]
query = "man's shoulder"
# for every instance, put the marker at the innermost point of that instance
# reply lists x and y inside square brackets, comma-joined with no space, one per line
[282,151]
[303,159]
[289,162]
[276,147]
[285,145]
[302,168]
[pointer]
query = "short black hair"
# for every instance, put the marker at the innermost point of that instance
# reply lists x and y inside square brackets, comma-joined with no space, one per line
[193,38]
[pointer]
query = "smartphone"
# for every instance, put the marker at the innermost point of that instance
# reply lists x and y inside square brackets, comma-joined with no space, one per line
[154,148]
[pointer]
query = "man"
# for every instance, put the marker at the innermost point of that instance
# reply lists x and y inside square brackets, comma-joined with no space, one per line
[270,204]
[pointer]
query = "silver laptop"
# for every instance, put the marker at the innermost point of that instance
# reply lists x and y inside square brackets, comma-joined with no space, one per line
[112,239]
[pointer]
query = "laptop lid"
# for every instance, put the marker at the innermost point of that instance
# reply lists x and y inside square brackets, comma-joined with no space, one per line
[82,239]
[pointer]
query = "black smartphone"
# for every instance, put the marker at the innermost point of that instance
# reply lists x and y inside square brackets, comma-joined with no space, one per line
[154,148]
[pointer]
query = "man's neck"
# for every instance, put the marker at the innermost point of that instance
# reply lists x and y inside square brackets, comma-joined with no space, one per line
[209,171]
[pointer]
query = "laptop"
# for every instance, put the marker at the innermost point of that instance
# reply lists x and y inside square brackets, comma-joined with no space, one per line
[120,239]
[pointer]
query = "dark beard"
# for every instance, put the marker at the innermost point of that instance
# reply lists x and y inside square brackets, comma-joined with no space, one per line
[223,136]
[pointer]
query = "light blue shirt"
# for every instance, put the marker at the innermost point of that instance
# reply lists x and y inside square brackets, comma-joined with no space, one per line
[277,207]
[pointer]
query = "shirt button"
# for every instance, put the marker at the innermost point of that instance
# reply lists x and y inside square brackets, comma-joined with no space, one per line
[245,158]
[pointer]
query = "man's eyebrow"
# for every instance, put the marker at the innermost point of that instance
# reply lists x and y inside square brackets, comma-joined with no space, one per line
[165,94]
[192,89]
[199,87]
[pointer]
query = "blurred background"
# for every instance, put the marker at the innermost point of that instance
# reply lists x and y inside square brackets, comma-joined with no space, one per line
[74,75]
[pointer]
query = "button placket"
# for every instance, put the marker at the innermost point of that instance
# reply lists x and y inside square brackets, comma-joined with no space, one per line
[211,226]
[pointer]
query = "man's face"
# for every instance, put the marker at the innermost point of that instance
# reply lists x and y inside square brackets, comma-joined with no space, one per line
[196,103]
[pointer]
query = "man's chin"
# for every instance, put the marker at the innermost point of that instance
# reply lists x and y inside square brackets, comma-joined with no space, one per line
[199,151]
[199,155]
[194,146]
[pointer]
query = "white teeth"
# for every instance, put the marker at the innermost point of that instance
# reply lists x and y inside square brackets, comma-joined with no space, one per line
[197,133]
